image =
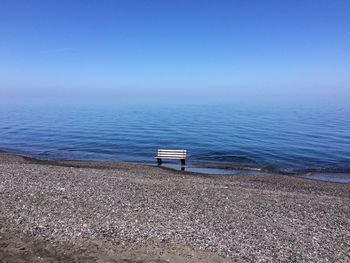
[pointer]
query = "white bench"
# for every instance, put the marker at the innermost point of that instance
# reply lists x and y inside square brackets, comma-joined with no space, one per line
[171,154]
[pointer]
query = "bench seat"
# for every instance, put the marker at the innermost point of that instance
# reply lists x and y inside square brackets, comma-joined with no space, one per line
[171,154]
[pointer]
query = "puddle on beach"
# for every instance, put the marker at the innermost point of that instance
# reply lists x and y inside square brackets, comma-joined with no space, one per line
[327,177]
[330,177]
[217,171]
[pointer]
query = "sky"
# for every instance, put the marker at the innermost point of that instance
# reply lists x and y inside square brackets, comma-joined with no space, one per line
[165,48]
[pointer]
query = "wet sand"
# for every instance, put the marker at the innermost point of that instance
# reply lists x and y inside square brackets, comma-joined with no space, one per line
[71,211]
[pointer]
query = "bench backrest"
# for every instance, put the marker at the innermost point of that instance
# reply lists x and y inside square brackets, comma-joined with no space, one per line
[172,154]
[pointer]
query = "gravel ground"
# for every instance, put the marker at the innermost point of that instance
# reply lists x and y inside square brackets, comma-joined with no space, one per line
[68,211]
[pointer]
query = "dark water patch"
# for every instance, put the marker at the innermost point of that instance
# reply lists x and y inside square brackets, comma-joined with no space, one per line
[223,158]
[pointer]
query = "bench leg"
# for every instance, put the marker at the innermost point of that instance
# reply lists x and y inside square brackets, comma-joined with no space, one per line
[183,162]
[159,161]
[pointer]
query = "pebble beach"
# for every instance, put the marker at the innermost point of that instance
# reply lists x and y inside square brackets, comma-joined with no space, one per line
[77,211]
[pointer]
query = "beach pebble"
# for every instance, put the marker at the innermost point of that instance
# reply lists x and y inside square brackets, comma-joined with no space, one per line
[242,218]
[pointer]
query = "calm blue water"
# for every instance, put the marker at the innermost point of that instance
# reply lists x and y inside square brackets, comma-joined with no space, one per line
[275,135]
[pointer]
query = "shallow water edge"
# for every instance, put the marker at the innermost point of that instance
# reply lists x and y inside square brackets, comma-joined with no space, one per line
[210,169]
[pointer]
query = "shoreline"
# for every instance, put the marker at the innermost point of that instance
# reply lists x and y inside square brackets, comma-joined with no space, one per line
[103,211]
[201,168]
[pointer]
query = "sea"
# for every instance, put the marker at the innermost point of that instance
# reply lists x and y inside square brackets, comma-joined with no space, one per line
[292,136]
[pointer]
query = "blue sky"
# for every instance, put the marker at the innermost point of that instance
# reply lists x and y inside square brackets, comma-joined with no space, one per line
[174,48]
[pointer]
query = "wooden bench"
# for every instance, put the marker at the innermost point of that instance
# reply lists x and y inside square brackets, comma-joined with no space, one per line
[171,154]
